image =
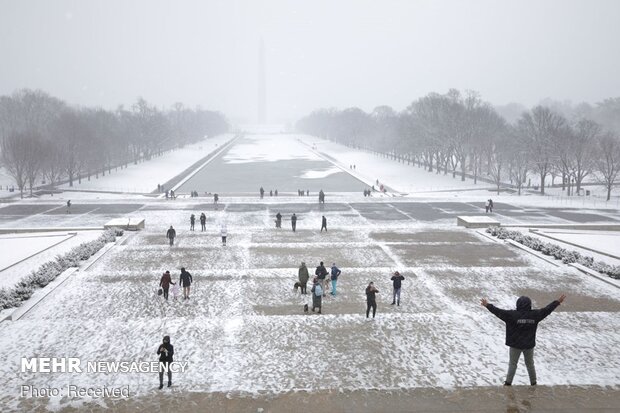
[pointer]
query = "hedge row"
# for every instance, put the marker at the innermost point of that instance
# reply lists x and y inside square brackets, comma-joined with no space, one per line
[559,253]
[23,290]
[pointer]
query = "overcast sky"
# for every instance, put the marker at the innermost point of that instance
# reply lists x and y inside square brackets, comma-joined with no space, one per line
[318,53]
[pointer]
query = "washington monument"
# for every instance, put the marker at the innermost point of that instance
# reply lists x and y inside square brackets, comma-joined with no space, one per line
[262,106]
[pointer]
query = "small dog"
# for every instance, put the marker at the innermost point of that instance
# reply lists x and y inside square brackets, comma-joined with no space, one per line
[305,308]
[296,287]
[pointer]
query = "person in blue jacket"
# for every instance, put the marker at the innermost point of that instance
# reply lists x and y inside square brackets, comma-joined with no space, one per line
[335,273]
[521,327]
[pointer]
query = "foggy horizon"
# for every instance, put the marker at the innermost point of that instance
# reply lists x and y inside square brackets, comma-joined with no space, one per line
[351,53]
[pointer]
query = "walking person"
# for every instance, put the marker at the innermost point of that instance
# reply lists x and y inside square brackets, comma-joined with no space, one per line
[278,220]
[324,224]
[335,273]
[294,221]
[397,279]
[317,295]
[486,207]
[69,206]
[371,301]
[521,327]
[203,222]
[185,280]
[165,282]
[171,234]
[490,205]
[223,233]
[262,192]
[165,351]
[321,274]
[192,221]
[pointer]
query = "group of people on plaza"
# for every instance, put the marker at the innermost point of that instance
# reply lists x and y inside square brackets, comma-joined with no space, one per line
[261,191]
[171,233]
[185,281]
[520,323]
[321,284]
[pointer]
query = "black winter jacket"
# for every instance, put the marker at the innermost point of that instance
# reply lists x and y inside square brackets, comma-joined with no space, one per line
[185,279]
[320,272]
[163,356]
[521,323]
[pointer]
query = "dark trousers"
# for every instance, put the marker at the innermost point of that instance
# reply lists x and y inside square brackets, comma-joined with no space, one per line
[303,288]
[294,224]
[171,241]
[165,292]
[191,226]
[161,373]
[369,305]
[324,227]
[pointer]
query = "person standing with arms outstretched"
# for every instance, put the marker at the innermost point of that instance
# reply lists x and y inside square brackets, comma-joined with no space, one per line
[185,280]
[171,234]
[521,327]
[294,221]
[396,280]
[371,301]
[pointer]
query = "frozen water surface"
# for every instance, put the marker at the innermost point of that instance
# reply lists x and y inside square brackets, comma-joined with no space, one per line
[274,162]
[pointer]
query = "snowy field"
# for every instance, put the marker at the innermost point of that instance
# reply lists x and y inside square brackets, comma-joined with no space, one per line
[244,330]
[25,252]
[144,177]
[17,247]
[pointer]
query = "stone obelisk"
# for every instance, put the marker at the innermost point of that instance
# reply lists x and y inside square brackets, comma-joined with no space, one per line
[262,101]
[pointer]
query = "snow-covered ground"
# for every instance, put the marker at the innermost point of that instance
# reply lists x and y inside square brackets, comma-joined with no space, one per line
[244,330]
[145,176]
[16,247]
[35,249]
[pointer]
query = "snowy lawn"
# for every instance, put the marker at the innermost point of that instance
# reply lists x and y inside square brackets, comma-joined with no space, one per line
[33,245]
[145,176]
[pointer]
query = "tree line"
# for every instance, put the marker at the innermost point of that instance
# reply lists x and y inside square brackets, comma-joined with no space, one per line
[461,134]
[45,140]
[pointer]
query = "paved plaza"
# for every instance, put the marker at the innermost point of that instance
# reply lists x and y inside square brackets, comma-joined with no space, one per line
[244,331]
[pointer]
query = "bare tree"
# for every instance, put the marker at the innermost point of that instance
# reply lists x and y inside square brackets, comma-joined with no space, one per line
[53,162]
[608,161]
[18,156]
[500,154]
[582,147]
[539,128]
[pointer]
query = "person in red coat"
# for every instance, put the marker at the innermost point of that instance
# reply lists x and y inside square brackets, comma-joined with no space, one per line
[165,282]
